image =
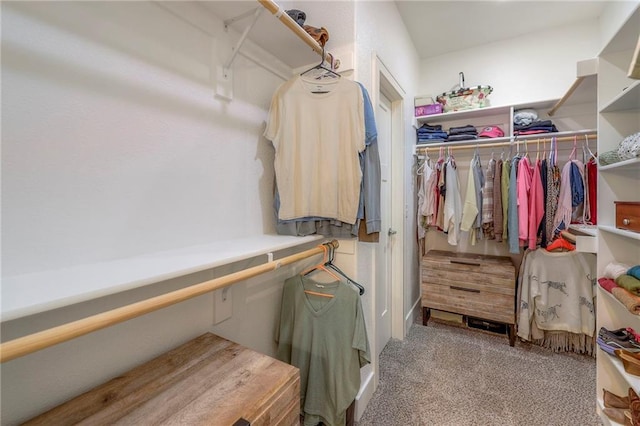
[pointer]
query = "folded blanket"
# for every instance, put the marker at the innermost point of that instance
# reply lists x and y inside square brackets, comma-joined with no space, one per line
[634,271]
[607,284]
[631,301]
[630,283]
[614,270]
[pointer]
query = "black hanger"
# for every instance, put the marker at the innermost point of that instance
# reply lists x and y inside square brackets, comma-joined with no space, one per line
[338,270]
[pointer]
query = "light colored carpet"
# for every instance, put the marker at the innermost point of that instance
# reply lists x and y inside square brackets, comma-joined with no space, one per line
[448,375]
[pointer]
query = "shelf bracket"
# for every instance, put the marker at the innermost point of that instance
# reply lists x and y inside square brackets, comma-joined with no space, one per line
[224,86]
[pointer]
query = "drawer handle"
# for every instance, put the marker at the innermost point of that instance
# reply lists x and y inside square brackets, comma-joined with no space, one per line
[465,262]
[470,290]
[626,222]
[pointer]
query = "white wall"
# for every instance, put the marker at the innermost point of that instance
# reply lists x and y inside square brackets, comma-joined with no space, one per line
[113,145]
[379,28]
[529,68]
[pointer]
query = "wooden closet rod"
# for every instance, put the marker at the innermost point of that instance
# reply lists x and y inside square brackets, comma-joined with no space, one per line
[272,7]
[43,339]
[497,144]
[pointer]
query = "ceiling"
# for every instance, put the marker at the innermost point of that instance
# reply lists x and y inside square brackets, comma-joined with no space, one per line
[438,27]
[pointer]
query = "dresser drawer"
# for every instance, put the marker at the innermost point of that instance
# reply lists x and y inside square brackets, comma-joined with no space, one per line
[628,215]
[469,284]
[469,301]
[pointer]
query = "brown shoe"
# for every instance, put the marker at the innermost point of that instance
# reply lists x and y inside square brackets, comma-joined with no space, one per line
[611,400]
[635,413]
[618,415]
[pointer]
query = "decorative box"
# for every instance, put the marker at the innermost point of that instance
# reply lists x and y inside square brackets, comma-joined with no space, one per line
[428,109]
[628,215]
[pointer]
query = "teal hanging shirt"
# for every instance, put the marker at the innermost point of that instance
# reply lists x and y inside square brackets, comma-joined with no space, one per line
[326,339]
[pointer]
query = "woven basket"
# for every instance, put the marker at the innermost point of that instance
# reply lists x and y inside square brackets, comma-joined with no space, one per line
[465,98]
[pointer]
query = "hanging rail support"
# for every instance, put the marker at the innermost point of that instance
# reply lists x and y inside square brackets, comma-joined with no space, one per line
[224,75]
[243,37]
[62,333]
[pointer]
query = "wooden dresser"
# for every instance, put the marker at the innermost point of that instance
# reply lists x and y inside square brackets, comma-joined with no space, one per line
[474,285]
[206,381]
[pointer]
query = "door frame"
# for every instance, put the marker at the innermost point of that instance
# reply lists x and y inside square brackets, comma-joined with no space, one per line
[383,80]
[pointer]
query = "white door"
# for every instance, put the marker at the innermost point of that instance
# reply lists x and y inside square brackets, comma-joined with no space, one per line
[383,275]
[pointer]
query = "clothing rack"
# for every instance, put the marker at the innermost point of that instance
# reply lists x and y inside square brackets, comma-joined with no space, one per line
[480,143]
[62,333]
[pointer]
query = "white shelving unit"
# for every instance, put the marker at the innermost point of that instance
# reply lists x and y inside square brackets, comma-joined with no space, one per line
[618,117]
[575,118]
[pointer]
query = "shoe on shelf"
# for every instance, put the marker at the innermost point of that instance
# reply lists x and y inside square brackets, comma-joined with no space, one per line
[619,415]
[635,412]
[611,400]
[631,363]
[621,334]
[610,345]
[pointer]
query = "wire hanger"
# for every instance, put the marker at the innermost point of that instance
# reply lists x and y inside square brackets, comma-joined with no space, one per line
[321,267]
[331,265]
[572,156]
[329,71]
[586,145]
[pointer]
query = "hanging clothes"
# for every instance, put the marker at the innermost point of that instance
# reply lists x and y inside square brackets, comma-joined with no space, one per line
[536,206]
[440,191]
[488,229]
[523,188]
[470,207]
[514,243]
[556,299]
[316,160]
[478,177]
[497,202]
[592,177]
[553,192]
[542,229]
[504,184]
[367,225]
[452,204]
[326,339]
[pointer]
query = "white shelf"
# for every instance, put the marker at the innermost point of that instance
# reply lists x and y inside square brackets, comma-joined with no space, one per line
[591,230]
[626,37]
[466,114]
[622,166]
[487,141]
[632,380]
[34,293]
[629,99]
[484,112]
[630,319]
[613,230]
